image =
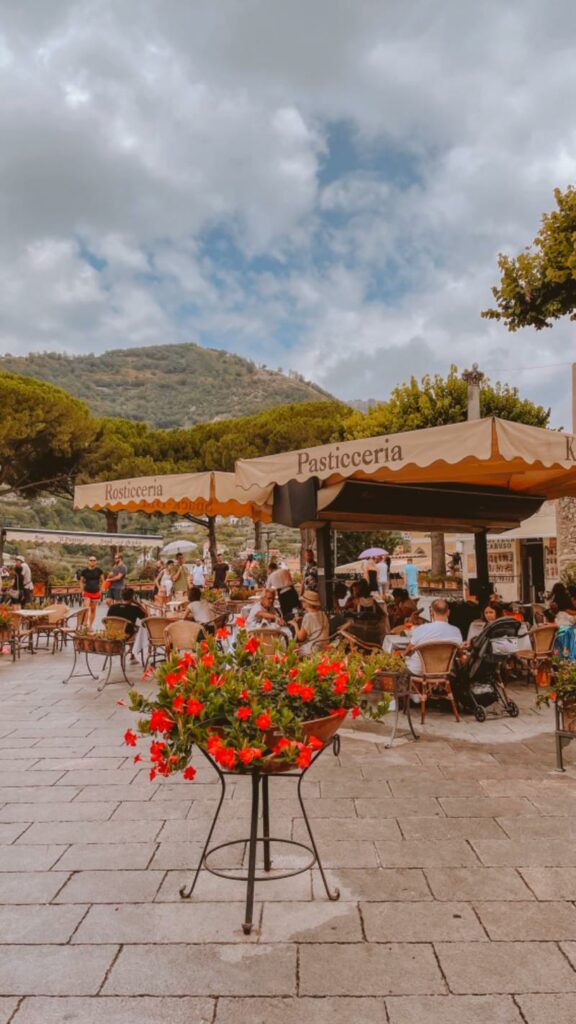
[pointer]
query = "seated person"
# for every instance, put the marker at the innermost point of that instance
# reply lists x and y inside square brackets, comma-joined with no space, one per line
[490,613]
[313,630]
[351,604]
[199,610]
[403,608]
[438,629]
[338,617]
[562,608]
[367,607]
[262,612]
[130,610]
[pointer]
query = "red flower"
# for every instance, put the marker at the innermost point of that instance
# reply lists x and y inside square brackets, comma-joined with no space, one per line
[244,695]
[304,757]
[137,758]
[355,712]
[222,633]
[307,693]
[208,660]
[187,660]
[121,703]
[240,621]
[159,722]
[252,645]
[249,754]
[130,738]
[214,742]
[152,774]
[294,689]
[282,744]
[293,672]
[244,714]
[226,756]
[204,646]
[266,685]
[178,704]
[173,678]
[341,682]
[194,707]
[263,721]
[157,751]
[216,680]
[189,773]
[552,696]
[315,743]
[341,712]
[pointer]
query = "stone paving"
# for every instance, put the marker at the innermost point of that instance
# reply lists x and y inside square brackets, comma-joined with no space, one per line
[455,858]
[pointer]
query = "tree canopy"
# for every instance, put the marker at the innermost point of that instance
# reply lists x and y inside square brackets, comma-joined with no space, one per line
[539,285]
[435,401]
[44,436]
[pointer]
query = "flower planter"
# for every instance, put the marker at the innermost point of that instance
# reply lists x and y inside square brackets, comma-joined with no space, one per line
[323,728]
[108,647]
[84,643]
[5,635]
[387,681]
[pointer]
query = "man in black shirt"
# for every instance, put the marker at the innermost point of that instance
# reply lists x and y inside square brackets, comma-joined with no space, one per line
[128,609]
[221,570]
[91,579]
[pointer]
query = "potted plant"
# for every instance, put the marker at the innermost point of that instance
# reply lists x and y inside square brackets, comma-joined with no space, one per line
[84,640]
[246,709]
[562,691]
[5,622]
[391,667]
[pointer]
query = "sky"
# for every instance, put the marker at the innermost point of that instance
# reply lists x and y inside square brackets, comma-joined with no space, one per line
[319,185]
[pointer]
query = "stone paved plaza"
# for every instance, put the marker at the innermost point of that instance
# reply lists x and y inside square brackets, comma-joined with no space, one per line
[455,857]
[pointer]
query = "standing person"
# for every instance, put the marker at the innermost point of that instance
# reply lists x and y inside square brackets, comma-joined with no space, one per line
[310,572]
[24,580]
[179,576]
[221,570]
[370,574]
[158,574]
[281,581]
[117,578]
[248,578]
[411,578]
[198,574]
[382,575]
[91,578]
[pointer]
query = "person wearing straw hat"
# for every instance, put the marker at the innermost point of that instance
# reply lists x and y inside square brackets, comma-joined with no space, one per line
[313,630]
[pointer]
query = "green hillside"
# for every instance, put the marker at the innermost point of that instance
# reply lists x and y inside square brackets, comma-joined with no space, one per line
[166,385]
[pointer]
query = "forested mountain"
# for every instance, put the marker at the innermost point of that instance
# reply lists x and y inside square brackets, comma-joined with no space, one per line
[166,385]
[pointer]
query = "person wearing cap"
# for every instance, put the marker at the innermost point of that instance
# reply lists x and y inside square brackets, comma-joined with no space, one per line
[313,631]
[23,580]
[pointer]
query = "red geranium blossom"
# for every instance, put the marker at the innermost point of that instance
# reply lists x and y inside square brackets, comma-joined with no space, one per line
[194,707]
[137,758]
[130,738]
[355,712]
[189,773]
[293,673]
[307,693]
[216,680]
[315,743]
[159,722]
[249,754]
[187,660]
[263,721]
[266,685]
[244,714]
[244,695]
[252,645]
[240,621]
[208,660]
[304,757]
[178,704]
[222,633]
[294,689]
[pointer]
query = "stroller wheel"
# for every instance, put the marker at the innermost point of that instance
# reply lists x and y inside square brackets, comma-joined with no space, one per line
[479,714]
[512,709]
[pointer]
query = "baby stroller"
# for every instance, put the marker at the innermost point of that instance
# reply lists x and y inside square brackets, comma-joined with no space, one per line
[480,683]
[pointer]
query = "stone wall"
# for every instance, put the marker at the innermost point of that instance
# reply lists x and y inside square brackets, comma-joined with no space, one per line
[566,527]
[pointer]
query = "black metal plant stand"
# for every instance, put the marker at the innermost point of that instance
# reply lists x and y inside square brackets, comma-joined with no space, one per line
[79,675]
[107,667]
[561,735]
[260,782]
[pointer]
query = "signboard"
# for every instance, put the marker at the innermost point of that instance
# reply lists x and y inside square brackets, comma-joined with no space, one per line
[121,540]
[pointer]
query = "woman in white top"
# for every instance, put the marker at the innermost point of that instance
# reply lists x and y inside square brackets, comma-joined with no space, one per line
[199,610]
[313,632]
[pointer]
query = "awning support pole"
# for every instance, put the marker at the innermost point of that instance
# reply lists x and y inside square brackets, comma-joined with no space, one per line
[481,546]
[325,566]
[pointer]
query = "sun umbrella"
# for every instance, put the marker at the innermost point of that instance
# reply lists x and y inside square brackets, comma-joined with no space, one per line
[178,547]
[373,552]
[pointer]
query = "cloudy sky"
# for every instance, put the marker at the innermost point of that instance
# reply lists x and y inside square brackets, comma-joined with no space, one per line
[321,185]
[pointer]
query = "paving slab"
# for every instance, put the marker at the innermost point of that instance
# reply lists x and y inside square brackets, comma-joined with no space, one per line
[421,922]
[416,854]
[218,970]
[116,832]
[370,969]
[550,852]
[327,1010]
[450,828]
[30,887]
[210,888]
[7,1007]
[106,856]
[498,967]
[311,922]
[551,883]
[521,921]
[454,1010]
[109,886]
[20,857]
[547,1009]
[114,1010]
[54,970]
[378,884]
[478,884]
[165,923]
[28,812]
[38,924]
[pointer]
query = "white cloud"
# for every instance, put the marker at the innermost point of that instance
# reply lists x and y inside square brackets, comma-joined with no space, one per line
[161,179]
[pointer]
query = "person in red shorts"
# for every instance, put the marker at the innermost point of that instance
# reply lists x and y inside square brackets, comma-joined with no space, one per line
[91,579]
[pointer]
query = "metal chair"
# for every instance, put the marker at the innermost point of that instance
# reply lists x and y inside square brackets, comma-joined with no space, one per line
[69,626]
[49,626]
[21,636]
[182,635]
[434,680]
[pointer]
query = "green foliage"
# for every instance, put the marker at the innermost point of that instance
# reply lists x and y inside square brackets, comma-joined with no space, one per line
[437,400]
[350,544]
[44,435]
[166,385]
[539,285]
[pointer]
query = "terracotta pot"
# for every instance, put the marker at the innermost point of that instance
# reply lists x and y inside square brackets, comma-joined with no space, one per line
[323,728]
[108,647]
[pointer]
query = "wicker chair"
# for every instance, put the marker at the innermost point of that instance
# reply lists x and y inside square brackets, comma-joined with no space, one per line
[21,636]
[540,656]
[69,626]
[269,639]
[49,626]
[434,679]
[155,627]
[182,635]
